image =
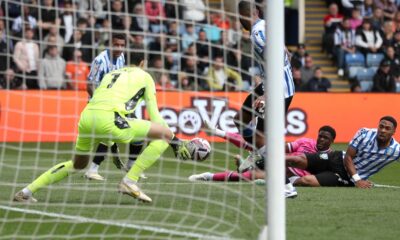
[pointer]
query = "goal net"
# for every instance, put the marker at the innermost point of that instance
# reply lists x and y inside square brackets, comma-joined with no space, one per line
[203,68]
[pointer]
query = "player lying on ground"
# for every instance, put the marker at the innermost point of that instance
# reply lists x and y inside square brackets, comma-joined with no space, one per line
[368,152]
[103,120]
[326,136]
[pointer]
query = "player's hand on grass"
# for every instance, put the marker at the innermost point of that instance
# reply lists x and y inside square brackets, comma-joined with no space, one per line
[363,184]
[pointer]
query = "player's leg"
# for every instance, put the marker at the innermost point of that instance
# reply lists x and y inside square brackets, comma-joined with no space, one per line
[227,176]
[93,171]
[160,138]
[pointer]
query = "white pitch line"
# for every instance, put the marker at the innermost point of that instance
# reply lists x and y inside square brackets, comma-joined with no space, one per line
[112,223]
[386,186]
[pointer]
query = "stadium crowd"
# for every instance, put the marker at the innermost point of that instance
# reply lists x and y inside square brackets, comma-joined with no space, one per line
[50,44]
[363,37]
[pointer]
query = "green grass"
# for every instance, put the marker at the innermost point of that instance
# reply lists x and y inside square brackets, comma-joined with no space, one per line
[233,210]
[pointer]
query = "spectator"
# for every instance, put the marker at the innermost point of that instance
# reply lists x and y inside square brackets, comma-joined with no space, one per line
[57,39]
[24,19]
[195,77]
[171,64]
[48,17]
[26,57]
[367,9]
[396,22]
[393,59]
[6,48]
[140,23]
[137,48]
[193,10]
[223,78]
[164,83]
[383,81]
[119,19]
[299,57]
[76,43]
[77,72]
[388,6]
[10,81]
[158,46]
[355,87]
[52,70]
[155,12]
[184,82]
[387,34]
[226,49]
[331,21]
[67,21]
[318,83]
[377,19]
[307,71]
[298,83]
[202,44]
[188,37]
[156,67]
[171,9]
[368,40]
[345,39]
[350,5]
[356,19]
[173,36]
[91,9]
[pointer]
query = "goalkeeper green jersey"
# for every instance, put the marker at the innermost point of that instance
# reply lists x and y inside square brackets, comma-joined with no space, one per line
[122,90]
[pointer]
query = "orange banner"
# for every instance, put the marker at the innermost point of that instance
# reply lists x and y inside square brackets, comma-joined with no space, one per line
[52,116]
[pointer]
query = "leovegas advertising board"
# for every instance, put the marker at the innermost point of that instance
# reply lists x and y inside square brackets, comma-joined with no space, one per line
[52,116]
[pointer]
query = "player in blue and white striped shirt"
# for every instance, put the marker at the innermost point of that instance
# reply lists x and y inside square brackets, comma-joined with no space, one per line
[369,151]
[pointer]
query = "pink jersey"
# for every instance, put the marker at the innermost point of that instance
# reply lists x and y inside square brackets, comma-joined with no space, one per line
[302,145]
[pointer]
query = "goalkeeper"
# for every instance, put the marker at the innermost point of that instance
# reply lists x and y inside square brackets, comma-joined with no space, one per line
[103,120]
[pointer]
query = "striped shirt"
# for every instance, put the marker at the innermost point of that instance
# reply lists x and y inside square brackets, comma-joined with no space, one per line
[370,158]
[346,38]
[102,65]
[258,39]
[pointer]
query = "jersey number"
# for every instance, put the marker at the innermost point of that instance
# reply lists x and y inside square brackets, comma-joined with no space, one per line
[114,79]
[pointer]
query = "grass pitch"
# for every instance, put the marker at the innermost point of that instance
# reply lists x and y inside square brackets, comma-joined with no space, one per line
[81,209]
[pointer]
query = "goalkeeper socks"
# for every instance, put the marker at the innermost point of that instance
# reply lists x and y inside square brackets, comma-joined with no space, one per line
[237,140]
[53,175]
[148,157]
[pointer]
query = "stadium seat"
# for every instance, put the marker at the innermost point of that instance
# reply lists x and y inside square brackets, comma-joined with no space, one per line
[352,72]
[365,75]
[356,59]
[366,86]
[374,59]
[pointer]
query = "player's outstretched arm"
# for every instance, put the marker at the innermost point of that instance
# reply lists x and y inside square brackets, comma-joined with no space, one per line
[351,169]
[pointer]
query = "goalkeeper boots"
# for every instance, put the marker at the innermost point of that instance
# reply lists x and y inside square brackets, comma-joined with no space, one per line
[21,197]
[134,191]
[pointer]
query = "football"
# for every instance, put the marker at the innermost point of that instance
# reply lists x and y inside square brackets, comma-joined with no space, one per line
[199,149]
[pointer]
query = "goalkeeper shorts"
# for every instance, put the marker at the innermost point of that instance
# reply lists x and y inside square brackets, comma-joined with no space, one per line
[105,126]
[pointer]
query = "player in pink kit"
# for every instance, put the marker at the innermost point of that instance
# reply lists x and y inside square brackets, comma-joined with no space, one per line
[326,136]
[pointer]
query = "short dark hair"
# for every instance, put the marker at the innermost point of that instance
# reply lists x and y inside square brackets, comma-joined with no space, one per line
[390,119]
[328,129]
[119,36]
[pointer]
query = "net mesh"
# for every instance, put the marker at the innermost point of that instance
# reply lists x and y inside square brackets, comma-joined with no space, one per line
[184,42]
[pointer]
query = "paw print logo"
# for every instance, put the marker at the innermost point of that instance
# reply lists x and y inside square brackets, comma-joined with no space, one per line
[190,122]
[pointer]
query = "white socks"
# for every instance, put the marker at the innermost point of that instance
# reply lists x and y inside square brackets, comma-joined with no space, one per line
[94,168]
[27,192]
[128,180]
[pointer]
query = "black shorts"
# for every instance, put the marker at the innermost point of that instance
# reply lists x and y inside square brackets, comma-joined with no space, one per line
[328,168]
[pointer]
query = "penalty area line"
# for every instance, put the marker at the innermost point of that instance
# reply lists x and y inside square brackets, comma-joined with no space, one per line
[112,223]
